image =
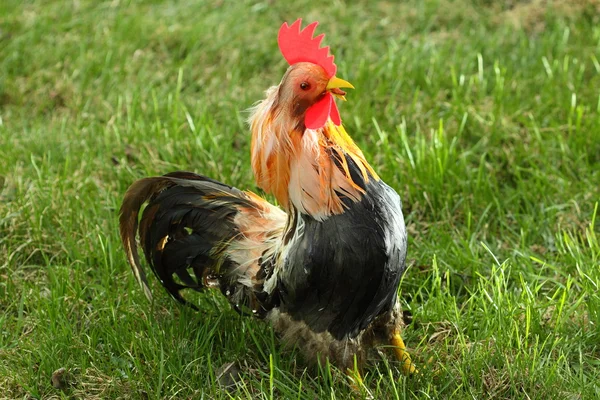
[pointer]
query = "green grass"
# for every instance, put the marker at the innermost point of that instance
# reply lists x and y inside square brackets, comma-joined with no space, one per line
[485,118]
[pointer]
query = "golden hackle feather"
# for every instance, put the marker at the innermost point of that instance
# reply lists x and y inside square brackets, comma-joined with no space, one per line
[296,165]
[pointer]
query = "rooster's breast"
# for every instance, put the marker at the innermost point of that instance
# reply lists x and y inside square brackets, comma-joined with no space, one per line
[342,272]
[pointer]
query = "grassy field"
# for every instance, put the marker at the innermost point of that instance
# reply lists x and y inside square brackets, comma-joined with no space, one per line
[484,116]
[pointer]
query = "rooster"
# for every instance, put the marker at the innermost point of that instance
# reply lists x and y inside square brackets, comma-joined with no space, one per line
[324,267]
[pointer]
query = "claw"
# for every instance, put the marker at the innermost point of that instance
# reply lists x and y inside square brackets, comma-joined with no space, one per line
[356,382]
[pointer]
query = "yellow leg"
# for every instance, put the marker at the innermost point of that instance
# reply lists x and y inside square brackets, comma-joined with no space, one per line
[402,355]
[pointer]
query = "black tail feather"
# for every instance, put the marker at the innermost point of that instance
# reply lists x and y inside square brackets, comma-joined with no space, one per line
[187,221]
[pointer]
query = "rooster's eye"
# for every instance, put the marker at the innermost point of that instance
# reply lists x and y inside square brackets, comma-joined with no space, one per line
[304,86]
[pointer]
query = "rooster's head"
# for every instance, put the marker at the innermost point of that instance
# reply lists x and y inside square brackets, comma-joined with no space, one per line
[301,153]
[309,84]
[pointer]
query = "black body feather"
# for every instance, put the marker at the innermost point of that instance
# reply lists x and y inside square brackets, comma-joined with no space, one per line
[343,272]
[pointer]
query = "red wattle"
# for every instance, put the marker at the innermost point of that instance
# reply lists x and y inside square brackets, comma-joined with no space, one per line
[334,114]
[317,114]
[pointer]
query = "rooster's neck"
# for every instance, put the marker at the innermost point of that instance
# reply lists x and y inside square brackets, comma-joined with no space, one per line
[313,171]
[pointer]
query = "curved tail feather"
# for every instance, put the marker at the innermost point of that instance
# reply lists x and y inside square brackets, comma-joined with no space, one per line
[137,194]
[197,232]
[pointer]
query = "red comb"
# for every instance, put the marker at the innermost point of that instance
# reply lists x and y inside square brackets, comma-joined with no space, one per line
[299,46]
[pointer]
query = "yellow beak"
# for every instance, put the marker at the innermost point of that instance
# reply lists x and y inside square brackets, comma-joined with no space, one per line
[334,86]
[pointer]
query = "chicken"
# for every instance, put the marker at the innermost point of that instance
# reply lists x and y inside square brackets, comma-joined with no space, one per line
[324,268]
